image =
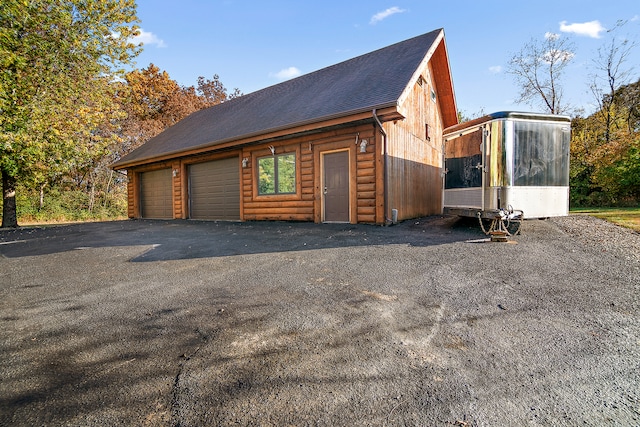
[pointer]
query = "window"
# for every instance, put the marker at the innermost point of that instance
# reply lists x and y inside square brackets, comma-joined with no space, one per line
[541,154]
[277,174]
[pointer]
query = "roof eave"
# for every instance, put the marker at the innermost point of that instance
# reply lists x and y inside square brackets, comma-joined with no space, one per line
[385,112]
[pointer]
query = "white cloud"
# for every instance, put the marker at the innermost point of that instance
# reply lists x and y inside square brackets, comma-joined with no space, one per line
[590,29]
[635,18]
[287,73]
[385,14]
[147,38]
[496,69]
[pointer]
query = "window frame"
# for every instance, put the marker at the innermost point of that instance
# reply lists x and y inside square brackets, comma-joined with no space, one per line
[276,175]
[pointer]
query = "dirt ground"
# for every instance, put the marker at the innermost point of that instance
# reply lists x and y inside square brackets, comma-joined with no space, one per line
[181,323]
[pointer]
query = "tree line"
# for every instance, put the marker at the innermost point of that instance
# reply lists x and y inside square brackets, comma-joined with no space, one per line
[81,184]
[71,104]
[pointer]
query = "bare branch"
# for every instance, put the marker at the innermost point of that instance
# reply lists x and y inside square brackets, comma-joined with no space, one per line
[538,68]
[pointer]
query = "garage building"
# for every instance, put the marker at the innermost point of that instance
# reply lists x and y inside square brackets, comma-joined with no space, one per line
[356,142]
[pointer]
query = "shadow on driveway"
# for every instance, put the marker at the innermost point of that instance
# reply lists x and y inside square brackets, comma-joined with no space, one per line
[186,239]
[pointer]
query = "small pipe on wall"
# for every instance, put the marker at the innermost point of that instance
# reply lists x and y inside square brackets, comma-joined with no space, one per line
[387,218]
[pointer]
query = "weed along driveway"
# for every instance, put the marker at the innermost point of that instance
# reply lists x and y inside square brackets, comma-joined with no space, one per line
[203,324]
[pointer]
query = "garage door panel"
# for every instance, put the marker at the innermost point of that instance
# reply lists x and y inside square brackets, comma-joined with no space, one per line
[156,195]
[214,190]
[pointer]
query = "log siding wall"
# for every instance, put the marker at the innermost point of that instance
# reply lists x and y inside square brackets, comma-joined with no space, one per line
[132,194]
[366,192]
[306,203]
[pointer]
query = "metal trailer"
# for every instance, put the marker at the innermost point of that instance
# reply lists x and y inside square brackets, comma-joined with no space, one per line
[506,166]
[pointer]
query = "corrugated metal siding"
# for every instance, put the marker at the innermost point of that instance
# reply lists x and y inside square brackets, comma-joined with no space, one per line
[214,190]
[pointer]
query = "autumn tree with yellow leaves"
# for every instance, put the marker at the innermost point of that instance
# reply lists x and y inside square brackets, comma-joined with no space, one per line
[58,59]
[71,104]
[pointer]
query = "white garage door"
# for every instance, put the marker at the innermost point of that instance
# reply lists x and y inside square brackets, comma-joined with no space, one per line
[214,190]
[156,195]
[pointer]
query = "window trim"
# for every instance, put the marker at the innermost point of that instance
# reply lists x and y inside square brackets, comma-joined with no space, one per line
[295,175]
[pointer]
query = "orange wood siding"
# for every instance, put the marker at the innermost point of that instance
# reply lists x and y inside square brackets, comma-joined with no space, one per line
[184,188]
[306,203]
[465,145]
[132,194]
[439,67]
[415,153]
[366,183]
[177,189]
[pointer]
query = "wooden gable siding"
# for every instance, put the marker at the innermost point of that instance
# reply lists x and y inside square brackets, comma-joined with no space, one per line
[441,73]
[415,153]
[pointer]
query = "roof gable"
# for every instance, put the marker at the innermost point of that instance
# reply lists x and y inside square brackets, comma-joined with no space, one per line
[373,80]
[439,59]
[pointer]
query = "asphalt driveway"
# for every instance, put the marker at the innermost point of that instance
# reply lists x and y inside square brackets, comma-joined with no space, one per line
[183,323]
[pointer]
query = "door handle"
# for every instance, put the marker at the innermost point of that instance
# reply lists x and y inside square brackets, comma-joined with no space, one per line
[325,190]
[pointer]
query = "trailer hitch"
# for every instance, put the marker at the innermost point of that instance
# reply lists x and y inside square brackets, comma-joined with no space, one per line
[503,223]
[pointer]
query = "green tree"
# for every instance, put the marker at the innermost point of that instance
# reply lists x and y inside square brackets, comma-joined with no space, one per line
[614,131]
[605,151]
[58,63]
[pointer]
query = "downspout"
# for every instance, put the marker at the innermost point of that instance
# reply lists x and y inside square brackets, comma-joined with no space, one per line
[387,220]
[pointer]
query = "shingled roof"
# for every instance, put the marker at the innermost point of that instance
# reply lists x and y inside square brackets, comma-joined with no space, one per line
[372,81]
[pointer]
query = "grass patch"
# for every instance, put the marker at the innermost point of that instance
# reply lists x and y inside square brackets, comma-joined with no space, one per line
[626,217]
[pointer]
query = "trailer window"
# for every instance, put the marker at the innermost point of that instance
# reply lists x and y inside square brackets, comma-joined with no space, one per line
[462,157]
[541,154]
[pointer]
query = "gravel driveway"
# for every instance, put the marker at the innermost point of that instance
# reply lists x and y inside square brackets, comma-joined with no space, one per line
[185,323]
